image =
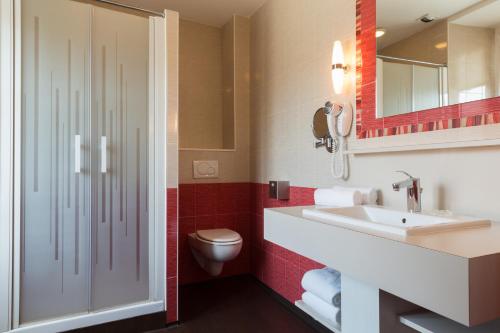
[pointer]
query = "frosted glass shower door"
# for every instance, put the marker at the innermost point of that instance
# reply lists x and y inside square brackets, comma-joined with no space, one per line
[83,117]
[120,251]
[55,174]
[84,159]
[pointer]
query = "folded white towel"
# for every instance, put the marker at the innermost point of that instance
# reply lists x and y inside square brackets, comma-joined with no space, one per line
[322,308]
[325,283]
[337,197]
[369,194]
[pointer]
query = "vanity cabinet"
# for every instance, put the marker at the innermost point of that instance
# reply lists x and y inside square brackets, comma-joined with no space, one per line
[454,274]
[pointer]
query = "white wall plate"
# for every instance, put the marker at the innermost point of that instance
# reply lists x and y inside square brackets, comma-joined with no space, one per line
[205,169]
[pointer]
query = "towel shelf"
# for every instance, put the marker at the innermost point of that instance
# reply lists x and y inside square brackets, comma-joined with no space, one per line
[429,322]
[322,320]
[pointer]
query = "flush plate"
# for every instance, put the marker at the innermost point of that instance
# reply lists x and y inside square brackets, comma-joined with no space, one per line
[205,169]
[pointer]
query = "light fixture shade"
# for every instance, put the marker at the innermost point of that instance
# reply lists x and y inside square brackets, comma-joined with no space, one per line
[337,53]
[338,67]
[338,80]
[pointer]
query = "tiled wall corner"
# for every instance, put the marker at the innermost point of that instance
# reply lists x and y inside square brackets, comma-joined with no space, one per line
[234,165]
[240,207]
[215,205]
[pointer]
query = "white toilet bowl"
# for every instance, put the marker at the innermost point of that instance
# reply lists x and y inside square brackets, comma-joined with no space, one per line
[212,248]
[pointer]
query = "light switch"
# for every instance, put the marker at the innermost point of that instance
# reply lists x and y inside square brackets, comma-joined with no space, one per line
[205,169]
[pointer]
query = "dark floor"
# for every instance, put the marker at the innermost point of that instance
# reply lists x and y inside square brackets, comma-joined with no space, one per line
[236,305]
[131,325]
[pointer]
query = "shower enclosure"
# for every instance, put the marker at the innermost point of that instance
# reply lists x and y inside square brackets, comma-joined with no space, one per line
[88,218]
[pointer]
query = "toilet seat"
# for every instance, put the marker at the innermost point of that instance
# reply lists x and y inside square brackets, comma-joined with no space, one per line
[219,236]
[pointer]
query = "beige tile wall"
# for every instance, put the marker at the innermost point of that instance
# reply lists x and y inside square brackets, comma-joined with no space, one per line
[200,86]
[228,85]
[233,164]
[291,50]
[471,63]
[421,46]
[173,98]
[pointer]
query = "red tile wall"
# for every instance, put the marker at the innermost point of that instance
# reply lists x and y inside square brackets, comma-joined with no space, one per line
[275,266]
[172,274]
[240,206]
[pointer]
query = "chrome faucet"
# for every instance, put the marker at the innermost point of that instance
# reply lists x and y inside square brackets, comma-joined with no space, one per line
[413,192]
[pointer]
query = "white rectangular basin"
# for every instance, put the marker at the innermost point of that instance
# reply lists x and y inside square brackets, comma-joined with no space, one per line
[392,221]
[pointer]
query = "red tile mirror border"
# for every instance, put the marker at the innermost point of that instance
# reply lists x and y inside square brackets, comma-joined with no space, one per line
[477,113]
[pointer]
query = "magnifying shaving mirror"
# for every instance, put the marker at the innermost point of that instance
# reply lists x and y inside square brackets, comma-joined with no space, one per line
[320,124]
[321,130]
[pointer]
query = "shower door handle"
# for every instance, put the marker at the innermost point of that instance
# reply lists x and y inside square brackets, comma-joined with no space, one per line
[104,167]
[78,153]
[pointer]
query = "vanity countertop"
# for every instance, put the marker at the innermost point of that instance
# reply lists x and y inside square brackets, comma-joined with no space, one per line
[452,273]
[467,243]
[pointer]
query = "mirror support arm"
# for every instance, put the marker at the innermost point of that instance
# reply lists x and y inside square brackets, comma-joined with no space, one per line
[327,142]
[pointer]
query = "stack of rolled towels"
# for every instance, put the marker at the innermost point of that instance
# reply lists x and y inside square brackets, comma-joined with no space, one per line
[345,196]
[323,293]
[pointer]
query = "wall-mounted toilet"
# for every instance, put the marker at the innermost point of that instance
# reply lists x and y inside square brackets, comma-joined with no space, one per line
[212,248]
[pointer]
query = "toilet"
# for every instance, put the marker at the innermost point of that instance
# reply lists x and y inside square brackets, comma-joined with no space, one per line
[213,247]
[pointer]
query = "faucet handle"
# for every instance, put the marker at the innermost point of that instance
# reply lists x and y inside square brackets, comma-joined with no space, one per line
[405,173]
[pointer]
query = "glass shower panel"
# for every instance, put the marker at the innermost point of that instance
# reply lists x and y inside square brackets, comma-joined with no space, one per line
[55,160]
[120,251]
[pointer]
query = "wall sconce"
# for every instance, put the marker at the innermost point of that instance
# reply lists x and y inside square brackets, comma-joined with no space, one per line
[338,67]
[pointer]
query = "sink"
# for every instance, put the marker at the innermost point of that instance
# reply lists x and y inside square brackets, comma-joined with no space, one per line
[392,221]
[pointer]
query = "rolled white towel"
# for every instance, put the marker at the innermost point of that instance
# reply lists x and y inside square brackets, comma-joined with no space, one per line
[325,283]
[322,308]
[337,197]
[369,194]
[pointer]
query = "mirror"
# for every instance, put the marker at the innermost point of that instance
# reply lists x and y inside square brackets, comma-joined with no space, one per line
[206,86]
[320,124]
[431,54]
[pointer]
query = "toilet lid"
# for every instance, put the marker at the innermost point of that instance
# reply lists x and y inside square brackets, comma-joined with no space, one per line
[218,235]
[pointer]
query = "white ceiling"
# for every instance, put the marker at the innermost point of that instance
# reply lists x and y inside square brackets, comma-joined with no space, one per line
[486,15]
[211,12]
[400,18]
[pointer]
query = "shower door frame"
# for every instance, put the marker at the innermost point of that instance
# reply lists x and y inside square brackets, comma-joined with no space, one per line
[11,84]
[6,158]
